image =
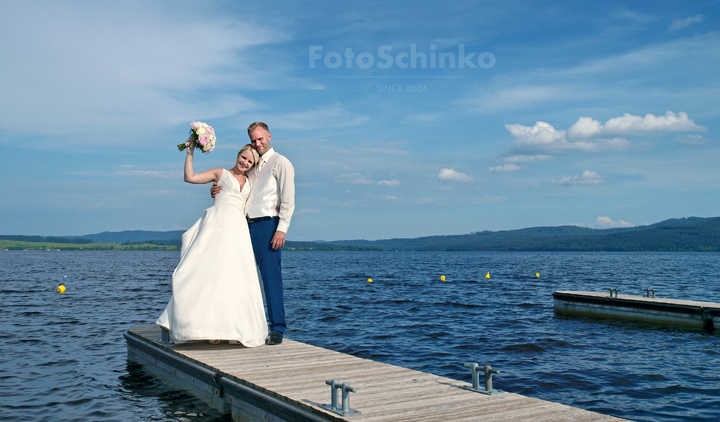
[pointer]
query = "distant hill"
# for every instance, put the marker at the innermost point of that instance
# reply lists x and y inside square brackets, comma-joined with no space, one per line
[47,239]
[677,234]
[131,236]
[680,234]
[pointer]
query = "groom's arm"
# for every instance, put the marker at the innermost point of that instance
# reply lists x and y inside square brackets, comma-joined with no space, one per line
[215,189]
[285,175]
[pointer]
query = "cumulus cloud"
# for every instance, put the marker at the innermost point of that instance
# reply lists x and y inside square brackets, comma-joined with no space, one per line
[353,179]
[634,125]
[505,168]
[684,23]
[544,138]
[590,135]
[450,175]
[586,178]
[606,222]
[389,183]
[585,127]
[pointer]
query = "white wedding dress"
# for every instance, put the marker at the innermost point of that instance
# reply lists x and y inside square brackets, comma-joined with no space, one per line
[215,288]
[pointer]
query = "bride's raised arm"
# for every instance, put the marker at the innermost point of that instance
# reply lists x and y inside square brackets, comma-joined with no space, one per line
[212,175]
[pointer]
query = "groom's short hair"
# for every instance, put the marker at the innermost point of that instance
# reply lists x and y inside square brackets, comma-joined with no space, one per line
[257,125]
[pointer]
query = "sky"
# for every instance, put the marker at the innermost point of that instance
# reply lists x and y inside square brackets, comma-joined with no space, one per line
[400,119]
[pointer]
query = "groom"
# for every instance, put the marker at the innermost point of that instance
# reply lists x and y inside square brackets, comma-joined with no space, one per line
[273,188]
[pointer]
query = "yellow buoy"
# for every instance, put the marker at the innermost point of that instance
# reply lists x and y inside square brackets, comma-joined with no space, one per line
[537,275]
[442,278]
[487,275]
[61,289]
[369,280]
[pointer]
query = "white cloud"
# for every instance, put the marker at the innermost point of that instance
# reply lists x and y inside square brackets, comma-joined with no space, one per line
[585,127]
[306,211]
[606,222]
[485,199]
[634,125]
[389,183]
[586,178]
[450,175]
[545,139]
[540,134]
[373,197]
[589,135]
[684,23]
[505,168]
[96,74]
[691,139]
[526,158]
[353,179]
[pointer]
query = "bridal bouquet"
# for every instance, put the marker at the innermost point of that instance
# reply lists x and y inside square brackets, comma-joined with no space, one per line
[203,135]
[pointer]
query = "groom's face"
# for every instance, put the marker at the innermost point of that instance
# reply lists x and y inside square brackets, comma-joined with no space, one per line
[260,140]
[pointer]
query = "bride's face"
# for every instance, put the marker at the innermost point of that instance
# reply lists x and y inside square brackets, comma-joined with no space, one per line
[245,160]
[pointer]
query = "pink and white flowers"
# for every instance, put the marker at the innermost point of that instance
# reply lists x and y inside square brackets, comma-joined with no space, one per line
[203,135]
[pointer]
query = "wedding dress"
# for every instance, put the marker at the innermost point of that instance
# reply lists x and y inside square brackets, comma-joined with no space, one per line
[215,288]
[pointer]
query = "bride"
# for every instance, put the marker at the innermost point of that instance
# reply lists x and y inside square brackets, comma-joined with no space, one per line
[215,288]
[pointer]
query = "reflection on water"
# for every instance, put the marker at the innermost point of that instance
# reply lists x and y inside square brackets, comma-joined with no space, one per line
[63,357]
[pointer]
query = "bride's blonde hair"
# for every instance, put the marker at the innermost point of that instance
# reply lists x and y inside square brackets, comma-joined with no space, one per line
[256,156]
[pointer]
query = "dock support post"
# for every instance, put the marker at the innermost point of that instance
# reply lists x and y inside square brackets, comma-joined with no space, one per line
[165,336]
[708,324]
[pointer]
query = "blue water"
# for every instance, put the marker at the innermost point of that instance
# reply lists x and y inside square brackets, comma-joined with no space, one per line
[63,357]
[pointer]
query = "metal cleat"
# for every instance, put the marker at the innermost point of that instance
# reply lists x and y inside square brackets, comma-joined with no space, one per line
[488,371]
[344,409]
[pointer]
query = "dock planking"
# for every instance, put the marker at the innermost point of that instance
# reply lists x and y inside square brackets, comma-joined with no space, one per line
[287,382]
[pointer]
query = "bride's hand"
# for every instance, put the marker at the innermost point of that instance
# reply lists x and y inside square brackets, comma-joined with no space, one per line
[191,147]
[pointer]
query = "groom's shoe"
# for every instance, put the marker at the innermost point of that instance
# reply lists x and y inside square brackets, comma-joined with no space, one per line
[275,337]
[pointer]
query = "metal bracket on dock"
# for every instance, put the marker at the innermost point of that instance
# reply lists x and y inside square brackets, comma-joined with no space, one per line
[613,292]
[650,292]
[345,410]
[488,371]
[165,339]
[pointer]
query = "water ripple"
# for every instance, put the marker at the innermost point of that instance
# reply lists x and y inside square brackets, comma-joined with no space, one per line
[63,357]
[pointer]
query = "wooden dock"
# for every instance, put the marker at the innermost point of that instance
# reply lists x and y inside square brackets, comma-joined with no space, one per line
[661,311]
[287,383]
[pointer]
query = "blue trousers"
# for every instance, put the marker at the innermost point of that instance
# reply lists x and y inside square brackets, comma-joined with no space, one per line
[269,262]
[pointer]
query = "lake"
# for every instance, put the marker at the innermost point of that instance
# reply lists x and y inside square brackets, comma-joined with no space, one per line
[63,356]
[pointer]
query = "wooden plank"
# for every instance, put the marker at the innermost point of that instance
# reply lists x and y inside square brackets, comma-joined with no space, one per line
[296,373]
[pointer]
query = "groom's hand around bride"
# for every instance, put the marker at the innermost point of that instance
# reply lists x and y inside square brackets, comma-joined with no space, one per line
[215,189]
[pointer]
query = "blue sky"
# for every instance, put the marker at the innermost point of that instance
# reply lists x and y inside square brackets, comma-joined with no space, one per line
[599,114]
